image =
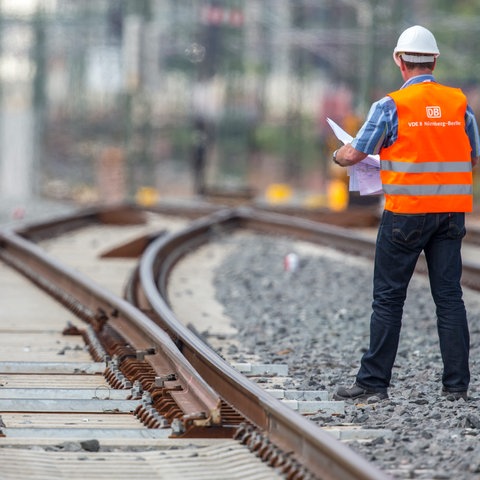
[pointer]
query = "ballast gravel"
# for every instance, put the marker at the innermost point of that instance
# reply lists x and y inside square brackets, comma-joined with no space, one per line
[316,319]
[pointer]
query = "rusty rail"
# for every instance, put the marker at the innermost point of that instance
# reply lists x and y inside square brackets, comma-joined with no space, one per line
[197,369]
[108,314]
[306,443]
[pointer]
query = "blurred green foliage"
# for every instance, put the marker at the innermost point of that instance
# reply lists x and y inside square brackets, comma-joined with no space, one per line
[263,73]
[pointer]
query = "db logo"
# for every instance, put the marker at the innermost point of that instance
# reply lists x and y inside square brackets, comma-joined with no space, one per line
[434,112]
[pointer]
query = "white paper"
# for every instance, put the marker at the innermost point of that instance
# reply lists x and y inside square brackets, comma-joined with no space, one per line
[339,132]
[364,177]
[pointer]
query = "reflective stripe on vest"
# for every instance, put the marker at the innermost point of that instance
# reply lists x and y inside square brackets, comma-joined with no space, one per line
[428,168]
[428,189]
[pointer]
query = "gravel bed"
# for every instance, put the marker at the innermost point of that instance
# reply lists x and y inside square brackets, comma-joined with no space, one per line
[316,319]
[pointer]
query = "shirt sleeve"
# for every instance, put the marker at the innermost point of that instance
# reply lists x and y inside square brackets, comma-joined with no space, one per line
[380,128]
[471,128]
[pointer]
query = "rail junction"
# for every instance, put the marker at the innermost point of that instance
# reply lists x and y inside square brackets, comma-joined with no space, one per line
[100,368]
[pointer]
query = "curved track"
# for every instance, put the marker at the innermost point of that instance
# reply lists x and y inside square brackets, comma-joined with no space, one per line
[191,391]
[67,409]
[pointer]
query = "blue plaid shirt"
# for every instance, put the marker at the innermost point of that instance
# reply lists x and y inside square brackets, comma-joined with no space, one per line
[381,126]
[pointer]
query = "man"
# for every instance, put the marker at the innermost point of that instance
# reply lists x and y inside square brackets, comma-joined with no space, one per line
[428,142]
[199,155]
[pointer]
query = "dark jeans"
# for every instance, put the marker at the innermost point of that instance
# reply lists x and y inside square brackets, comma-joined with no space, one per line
[400,240]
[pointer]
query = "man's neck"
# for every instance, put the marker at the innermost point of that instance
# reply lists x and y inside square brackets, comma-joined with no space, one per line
[415,72]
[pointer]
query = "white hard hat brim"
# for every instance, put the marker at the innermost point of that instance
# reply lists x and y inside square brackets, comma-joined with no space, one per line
[396,56]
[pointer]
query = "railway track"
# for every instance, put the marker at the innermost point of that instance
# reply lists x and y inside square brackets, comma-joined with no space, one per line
[169,387]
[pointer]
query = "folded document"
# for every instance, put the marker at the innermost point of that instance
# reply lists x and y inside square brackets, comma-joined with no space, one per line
[364,177]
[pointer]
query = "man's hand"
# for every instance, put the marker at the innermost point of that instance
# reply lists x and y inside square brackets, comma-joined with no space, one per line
[347,155]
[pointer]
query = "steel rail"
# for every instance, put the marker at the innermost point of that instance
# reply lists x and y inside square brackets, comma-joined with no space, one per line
[340,238]
[121,214]
[100,308]
[313,448]
[172,248]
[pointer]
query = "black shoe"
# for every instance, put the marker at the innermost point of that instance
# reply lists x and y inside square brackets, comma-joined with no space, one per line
[356,392]
[452,396]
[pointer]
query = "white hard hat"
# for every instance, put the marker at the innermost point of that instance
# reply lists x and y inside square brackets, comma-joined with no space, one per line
[416,39]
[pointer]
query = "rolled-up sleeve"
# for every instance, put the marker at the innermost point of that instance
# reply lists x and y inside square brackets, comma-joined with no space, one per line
[471,128]
[380,128]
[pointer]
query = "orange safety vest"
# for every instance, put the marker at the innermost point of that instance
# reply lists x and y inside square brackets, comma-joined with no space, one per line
[428,169]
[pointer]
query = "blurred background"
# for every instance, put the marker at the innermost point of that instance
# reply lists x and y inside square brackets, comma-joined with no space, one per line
[112,100]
